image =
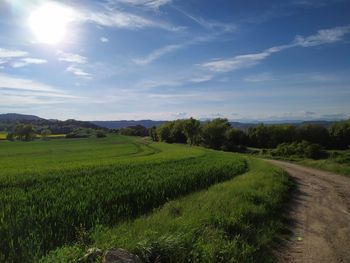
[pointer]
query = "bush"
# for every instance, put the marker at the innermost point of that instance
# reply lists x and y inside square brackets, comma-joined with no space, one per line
[100,134]
[303,149]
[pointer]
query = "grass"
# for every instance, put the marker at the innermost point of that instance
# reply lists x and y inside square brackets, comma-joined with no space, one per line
[339,164]
[52,191]
[234,221]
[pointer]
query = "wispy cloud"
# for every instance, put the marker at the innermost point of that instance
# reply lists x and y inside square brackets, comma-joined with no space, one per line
[158,53]
[71,57]
[9,53]
[28,61]
[10,82]
[22,91]
[104,39]
[152,4]
[324,36]
[122,19]
[208,24]
[78,71]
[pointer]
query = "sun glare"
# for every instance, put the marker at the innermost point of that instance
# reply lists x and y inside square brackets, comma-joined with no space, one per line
[49,22]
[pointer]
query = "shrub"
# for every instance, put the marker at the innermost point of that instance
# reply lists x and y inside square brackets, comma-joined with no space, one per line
[303,149]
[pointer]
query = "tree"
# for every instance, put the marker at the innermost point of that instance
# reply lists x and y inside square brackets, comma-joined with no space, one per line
[164,132]
[214,133]
[314,133]
[10,136]
[259,136]
[44,133]
[340,134]
[24,132]
[153,133]
[192,130]
[235,140]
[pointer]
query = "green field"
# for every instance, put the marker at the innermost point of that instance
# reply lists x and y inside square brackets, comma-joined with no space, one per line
[53,191]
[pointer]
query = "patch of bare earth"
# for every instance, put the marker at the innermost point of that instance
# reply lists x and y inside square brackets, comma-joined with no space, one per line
[319,214]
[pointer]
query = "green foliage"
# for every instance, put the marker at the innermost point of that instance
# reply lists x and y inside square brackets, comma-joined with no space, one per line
[340,134]
[84,133]
[100,134]
[24,132]
[234,221]
[314,134]
[45,133]
[46,207]
[10,136]
[214,133]
[303,149]
[137,130]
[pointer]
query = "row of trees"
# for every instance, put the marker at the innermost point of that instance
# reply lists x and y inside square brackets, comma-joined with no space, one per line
[218,134]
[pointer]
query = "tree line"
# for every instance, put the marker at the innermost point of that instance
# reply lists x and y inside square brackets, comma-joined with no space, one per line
[219,134]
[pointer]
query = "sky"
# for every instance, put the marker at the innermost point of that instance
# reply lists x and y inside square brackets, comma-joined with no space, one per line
[170,59]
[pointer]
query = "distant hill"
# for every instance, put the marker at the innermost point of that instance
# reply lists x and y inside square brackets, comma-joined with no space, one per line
[18,117]
[10,120]
[126,123]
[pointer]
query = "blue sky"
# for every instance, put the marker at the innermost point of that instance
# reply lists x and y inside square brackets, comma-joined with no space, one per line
[169,59]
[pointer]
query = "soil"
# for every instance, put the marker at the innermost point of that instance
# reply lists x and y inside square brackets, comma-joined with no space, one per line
[319,216]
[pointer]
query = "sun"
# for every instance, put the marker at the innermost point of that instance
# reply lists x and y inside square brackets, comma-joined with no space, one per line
[50,22]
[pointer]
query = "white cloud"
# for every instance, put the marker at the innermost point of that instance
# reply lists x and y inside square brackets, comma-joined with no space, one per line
[324,36]
[9,82]
[156,54]
[78,72]
[208,24]
[8,53]
[28,61]
[152,4]
[120,19]
[71,57]
[21,91]
[237,62]
[104,39]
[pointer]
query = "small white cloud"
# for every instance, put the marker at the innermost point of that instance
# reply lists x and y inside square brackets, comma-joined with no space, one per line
[28,61]
[71,57]
[323,36]
[104,39]
[78,72]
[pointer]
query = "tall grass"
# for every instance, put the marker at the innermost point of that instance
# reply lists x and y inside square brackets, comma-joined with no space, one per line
[43,209]
[234,221]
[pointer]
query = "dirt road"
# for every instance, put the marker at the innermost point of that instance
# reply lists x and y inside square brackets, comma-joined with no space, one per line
[320,216]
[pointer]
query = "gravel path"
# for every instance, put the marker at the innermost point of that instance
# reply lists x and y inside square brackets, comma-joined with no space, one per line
[320,216]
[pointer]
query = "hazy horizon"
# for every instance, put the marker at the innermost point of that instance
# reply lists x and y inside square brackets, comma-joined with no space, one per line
[170,59]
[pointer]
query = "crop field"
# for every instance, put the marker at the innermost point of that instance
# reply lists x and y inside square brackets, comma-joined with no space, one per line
[53,190]
[233,221]
[3,136]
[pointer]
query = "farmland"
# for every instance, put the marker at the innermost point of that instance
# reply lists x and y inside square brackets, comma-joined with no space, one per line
[53,190]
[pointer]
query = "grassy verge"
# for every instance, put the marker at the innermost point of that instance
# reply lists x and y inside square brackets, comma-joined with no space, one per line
[327,165]
[337,162]
[234,221]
